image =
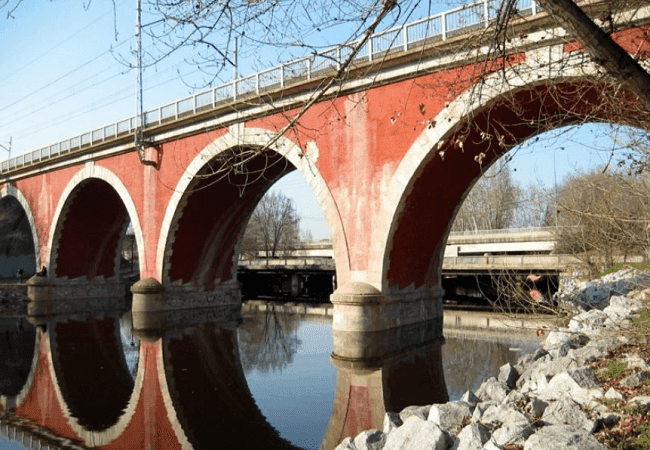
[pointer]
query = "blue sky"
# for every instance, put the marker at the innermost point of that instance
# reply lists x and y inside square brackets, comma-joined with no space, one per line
[61,76]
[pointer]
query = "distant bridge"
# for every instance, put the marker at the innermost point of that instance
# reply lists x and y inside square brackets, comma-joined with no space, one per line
[482,251]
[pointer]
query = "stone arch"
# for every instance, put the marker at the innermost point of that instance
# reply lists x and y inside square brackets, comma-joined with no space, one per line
[13,191]
[72,402]
[525,82]
[88,173]
[241,137]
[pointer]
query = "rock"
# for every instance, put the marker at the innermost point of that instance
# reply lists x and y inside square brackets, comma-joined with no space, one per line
[562,437]
[641,401]
[508,375]
[497,415]
[492,390]
[472,437]
[584,355]
[526,360]
[481,408]
[563,341]
[370,440]
[346,444]
[514,433]
[417,434]
[420,411]
[624,306]
[635,361]
[578,384]
[613,394]
[590,322]
[635,380]
[450,416]
[391,421]
[470,398]
[537,407]
[515,399]
[566,411]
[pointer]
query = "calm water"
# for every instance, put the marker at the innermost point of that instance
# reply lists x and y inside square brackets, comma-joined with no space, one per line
[294,382]
[307,395]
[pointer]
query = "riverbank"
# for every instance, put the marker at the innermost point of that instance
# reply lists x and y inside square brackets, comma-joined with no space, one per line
[587,387]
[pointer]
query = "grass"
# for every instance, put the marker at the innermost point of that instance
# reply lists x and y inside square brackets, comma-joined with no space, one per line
[632,432]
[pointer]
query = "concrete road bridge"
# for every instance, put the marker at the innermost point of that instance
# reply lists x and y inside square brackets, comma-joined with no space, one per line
[390,151]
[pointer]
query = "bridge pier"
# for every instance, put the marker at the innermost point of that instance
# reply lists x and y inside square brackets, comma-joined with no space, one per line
[154,304]
[361,307]
[382,371]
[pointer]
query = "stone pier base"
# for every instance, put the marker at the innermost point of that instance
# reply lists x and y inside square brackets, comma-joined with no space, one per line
[362,307]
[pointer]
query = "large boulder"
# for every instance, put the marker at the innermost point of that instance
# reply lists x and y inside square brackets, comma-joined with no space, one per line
[562,437]
[579,384]
[417,434]
[472,437]
[567,412]
[450,416]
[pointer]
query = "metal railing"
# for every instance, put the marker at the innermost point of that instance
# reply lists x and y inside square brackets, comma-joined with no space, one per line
[438,27]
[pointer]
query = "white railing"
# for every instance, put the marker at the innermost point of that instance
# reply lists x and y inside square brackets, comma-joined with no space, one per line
[438,27]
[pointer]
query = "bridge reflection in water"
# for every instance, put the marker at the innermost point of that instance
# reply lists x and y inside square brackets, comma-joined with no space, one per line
[76,376]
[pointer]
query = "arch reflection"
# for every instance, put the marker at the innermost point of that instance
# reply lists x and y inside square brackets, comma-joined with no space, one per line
[208,390]
[18,347]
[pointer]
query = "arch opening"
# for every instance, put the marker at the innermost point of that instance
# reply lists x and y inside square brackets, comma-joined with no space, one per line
[439,185]
[17,248]
[215,210]
[88,238]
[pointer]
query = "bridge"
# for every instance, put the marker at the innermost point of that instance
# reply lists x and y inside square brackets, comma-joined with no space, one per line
[390,151]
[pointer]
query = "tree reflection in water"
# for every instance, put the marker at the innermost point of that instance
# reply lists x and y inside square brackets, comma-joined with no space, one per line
[268,342]
[470,358]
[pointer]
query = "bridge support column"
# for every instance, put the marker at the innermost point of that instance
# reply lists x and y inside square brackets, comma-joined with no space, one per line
[362,307]
[381,371]
[148,309]
[39,292]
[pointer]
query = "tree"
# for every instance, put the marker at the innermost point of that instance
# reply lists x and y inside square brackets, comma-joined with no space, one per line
[274,227]
[492,202]
[603,218]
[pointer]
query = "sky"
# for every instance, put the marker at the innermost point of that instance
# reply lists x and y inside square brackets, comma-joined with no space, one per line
[64,71]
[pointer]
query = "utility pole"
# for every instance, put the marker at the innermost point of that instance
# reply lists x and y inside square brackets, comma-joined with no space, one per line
[7,149]
[138,80]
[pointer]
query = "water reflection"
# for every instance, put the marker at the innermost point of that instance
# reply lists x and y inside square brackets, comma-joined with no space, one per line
[88,379]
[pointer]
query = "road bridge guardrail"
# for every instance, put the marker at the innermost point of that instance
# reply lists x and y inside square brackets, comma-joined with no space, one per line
[440,26]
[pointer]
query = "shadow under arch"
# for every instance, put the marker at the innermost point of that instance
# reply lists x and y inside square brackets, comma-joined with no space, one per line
[89,226]
[207,214]
[91,378]
[443,164]
[208,393]
[26,225]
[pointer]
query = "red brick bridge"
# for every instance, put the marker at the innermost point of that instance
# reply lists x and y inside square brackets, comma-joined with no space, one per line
[390,151]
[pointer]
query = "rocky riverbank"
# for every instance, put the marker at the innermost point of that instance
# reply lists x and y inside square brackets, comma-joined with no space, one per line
[587,387]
